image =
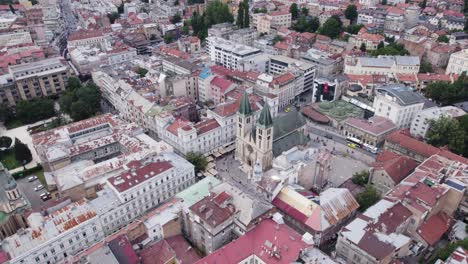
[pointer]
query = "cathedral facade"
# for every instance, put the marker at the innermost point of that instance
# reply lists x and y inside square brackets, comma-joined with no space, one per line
[254,138]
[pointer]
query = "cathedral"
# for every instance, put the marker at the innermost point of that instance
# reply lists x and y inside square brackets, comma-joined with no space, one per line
[254,138]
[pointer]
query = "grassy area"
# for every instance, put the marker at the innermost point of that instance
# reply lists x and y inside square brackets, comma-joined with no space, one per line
[14,124]
[8,160]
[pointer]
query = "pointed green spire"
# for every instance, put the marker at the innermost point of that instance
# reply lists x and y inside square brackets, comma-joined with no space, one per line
[244,107]
[265,116]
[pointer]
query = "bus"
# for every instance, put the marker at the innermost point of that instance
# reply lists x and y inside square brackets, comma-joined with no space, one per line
[352,140]
[370,148]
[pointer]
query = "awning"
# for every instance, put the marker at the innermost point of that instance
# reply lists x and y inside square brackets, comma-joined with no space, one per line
[207,174]
[210,165]
[217,154]
[209,159]
[213,172]
[229,148]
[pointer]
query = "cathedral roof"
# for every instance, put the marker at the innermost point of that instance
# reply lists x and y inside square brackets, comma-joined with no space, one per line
[265,117]
[244,107]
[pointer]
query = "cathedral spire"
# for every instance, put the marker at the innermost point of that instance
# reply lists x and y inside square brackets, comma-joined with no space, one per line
[265,116]
[244,107]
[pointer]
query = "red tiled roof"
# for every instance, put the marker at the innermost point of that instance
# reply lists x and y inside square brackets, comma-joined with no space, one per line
[283,78]
[397,167]
[259,242]
[184,252]
[434,77]
[376,125]
[313,114]
[84,34]
[206,126]
[221,83]
[123,250]
[401,137]
[178,123]
[435,227]
[159,253]
[213,214]
[134,177]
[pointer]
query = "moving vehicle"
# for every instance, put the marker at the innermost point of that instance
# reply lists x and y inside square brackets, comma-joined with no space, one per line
[370,148]
[32,178]
[351,145]
[287,109]
[354,141]
[39,187]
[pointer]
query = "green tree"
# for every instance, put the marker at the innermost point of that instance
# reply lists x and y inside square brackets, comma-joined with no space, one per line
[198,160]
[141,71]
[37,109]
[351,13]
[353,29]
[363,47]
[73,83]
[425,67]
[294,10]
[445,93]
[260,10]
[380,45]
[331,28]
[113,16]
[360,178]
[391,49]
[5,142]
[463,121]
[446,131]
[246,14]
[240,15]
[120,8]
[168,38]
[22,152]
[305,11]
[176,18]
[6,113]
[367,198]
[423,4]
[314,24]
[384,2]
[82,102]
[443,38]
[277,39]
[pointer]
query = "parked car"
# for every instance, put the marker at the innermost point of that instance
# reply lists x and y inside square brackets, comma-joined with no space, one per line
[328,136]
[32,178]
[46,197]
[39,187]
[45,194]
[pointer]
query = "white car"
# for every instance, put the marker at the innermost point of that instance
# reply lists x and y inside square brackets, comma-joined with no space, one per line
[32,178]
[44,194]
[39,187]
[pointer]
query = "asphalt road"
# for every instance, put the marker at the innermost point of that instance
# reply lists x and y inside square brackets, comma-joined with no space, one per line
[28,189]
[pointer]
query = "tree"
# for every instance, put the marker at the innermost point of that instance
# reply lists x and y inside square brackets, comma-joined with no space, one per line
[120,8]
[22,152]
[351,13]
[240,15]
[112,17]
[353,29]
[314,24]
[445,93]
[277,39]
[35,110]
[367,198]
[391,49]
[246,14]
[463,121]
[360,178]
[5,142]
[6,113]
[446,131]
[384,2]
[141,71]
[81,102]
[176,18]
[305,11]
[216,12]
[423,4]
[260,10]
[198,160]
[168,38]
[425,67]
[363,47]
[380,45]
[443,38]
[73,83]
[294,10]
[331,28]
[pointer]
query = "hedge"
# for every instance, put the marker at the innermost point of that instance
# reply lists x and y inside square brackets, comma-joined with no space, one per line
[21,174]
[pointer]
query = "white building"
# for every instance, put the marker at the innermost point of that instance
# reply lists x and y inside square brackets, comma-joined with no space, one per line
[397,103]
[420,124]
[382,65]
[54,237]
[458,62]
[231,55]
[142,186]
[15,38]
